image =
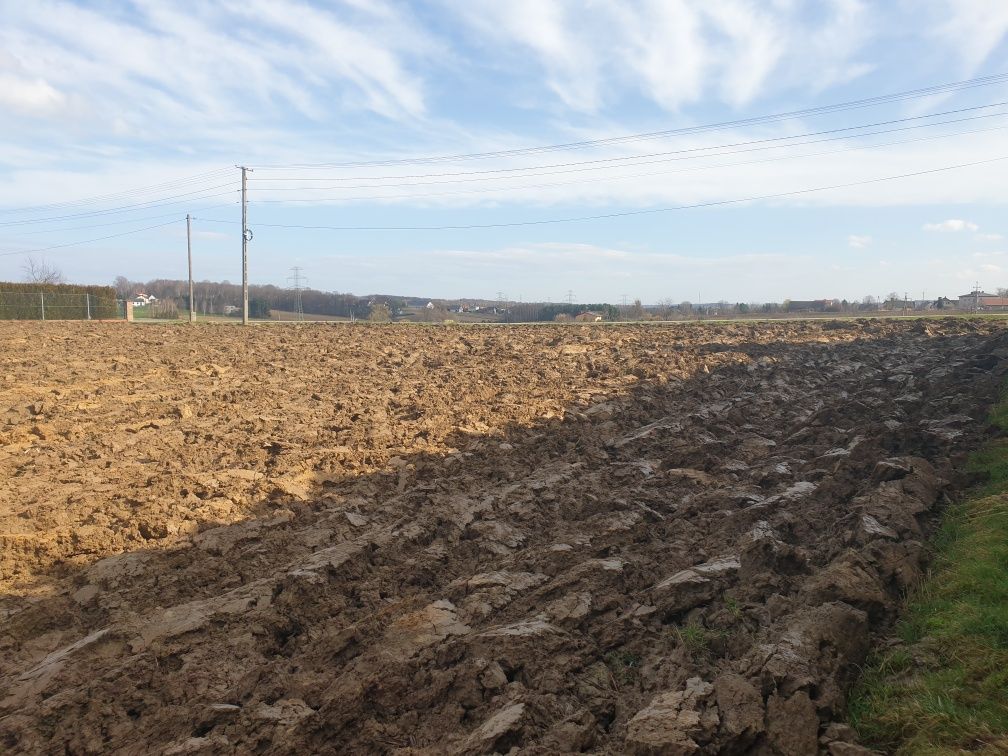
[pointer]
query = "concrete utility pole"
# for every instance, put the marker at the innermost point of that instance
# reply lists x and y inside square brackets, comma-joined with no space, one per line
[188,234]
[246,238]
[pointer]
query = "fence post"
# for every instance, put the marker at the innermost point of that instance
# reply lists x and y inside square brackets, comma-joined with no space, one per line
[87,299]
[42,297]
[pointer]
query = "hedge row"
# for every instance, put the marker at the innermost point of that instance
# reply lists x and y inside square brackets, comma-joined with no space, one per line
[19,301]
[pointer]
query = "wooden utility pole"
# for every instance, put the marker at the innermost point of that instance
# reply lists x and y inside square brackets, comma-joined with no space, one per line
[188,234]
[246,236]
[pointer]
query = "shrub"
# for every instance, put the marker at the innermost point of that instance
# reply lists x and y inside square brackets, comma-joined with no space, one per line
[28,301]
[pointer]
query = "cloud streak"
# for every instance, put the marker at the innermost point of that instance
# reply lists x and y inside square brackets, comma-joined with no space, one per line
[156,66]
[673,52]
[952,225]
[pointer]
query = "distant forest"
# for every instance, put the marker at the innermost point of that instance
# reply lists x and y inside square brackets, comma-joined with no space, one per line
[212,297]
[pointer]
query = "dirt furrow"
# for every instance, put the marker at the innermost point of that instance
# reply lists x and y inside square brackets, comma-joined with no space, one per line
[649,540]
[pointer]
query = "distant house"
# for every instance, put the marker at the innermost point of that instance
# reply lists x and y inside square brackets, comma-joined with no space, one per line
[981,300]
[942,303]
[230,309]
[143,300]
[588,317]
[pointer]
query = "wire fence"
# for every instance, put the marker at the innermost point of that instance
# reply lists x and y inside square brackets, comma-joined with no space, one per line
[40,305]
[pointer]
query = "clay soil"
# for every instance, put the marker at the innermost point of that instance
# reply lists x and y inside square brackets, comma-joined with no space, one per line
[406,539]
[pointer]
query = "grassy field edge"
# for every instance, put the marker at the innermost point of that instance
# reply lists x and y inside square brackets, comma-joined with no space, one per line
[943,686]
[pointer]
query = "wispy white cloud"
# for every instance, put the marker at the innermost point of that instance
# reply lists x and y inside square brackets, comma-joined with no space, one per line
[29,96]
[990,237]
[567,253]
[211,235]
[858,242]
[972,28]
[153,66]
[98,101]
[951,226]
[675,52]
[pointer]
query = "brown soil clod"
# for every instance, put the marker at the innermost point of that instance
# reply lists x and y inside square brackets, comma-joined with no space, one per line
[653,540]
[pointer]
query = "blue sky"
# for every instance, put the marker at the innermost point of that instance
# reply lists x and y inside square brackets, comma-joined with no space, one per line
[119,116]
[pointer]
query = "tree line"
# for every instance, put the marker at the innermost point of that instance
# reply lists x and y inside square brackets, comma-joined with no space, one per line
[222,297]
[218,297]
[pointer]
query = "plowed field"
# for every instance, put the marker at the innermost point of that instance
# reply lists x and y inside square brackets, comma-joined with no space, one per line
[400,539]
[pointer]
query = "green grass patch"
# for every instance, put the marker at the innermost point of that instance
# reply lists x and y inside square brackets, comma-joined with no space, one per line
[945,688]
[624,665]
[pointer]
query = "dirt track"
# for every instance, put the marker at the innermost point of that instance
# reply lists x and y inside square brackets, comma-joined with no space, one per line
[293,539]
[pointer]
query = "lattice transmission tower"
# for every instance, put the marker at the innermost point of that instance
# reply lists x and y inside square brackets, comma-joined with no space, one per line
[297,284]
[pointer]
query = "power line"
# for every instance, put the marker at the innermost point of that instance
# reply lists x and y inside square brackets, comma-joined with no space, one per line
[982,81]
[604,216]
[520,187]
[621,159]
[198,178]
[127,208]
[89,241]
[121,222]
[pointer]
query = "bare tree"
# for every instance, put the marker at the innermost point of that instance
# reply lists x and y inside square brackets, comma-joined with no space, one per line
[667,309]
[41,272]
[123,287]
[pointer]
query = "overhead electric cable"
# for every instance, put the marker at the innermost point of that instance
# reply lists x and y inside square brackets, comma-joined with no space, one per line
[198,178]
[588,164]
[89,241]
[628,213]
[127,208]
[594,179]
[121,222]
[936,89]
